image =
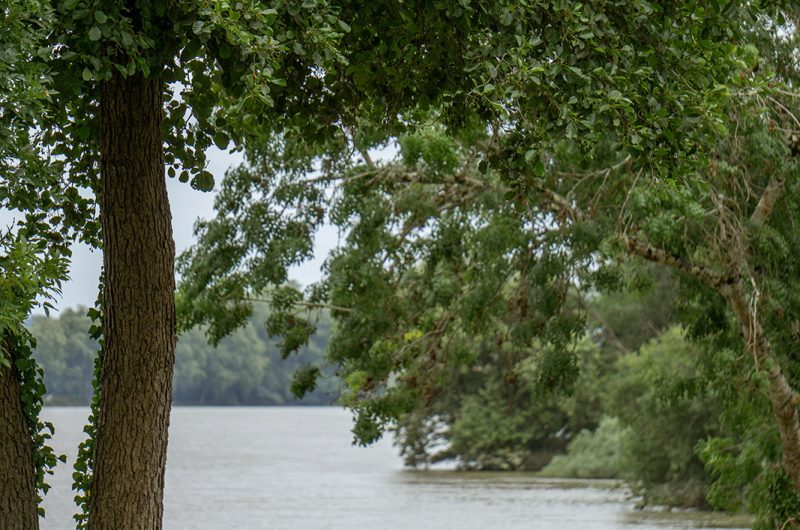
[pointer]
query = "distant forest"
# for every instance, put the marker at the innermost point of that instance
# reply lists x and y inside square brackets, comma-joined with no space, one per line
[246,367]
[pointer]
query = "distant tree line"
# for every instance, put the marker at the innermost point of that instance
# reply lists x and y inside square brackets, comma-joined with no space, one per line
[245,368]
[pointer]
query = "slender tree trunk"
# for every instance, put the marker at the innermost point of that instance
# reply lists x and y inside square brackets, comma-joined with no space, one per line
[782,396]
[139,315]
[18,509]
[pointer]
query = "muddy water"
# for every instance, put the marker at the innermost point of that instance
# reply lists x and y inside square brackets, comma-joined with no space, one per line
[295,468]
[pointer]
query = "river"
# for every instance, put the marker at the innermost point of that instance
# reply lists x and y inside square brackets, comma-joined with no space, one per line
[295,468]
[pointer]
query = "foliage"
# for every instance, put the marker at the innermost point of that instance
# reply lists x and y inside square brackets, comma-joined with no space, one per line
[27,272]
[64,349]
[668,409]
[602,133]
[50,212]
[629,62]
[244,369]
[594,454]
[83,469]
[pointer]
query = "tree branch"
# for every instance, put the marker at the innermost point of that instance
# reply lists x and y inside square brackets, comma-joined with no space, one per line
[613,338]
[596,172]
[657,255]
[767,201]
[367,159]
[563,205]
[783,398]
[304,303]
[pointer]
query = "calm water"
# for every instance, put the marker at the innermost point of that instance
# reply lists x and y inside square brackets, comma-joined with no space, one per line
[295,468]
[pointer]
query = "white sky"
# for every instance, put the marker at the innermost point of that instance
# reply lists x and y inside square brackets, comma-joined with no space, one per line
[187,206]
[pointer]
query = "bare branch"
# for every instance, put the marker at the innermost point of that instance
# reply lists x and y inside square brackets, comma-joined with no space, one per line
[610,334]
[562,204]
[309,305]
[784,109]
[767,201]
[367,159]
[657,255]
[597,172]
[339,178]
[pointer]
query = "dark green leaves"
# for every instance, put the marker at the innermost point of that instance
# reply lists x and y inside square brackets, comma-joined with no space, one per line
[221,140]
[305,380]
[204,181]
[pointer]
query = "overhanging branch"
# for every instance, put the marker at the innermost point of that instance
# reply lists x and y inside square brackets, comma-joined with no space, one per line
[657,255]
[306,304]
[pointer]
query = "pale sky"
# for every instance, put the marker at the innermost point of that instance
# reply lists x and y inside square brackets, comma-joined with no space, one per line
[187,206]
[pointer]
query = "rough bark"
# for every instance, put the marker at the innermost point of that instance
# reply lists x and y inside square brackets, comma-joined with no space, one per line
[139,314]
[18,509]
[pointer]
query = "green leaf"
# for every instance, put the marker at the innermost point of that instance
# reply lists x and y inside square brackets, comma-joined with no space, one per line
[304,380]
[95,33]
[190,51]
[126,38]
[204,181]
[100,17]
[87,74]
[221,140]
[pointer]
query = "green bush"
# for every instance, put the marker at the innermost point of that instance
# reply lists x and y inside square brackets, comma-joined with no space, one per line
[598,454]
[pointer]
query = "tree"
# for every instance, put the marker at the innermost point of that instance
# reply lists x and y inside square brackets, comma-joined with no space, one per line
[34,256]
[23,462]
[228,63]
[237,72]
[113,64]
[657,133]
[610,55]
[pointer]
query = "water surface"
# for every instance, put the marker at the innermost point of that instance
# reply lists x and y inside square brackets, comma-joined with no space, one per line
[295,468]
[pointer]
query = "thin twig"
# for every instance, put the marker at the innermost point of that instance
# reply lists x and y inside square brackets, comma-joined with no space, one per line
[305,303]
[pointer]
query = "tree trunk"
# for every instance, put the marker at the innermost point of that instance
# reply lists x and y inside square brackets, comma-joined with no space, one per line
[781,395]
[139,315]
[18,508]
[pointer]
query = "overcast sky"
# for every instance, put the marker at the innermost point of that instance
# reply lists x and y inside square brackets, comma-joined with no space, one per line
[187,206]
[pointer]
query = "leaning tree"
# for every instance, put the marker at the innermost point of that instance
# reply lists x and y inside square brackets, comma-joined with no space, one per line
[661,131]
